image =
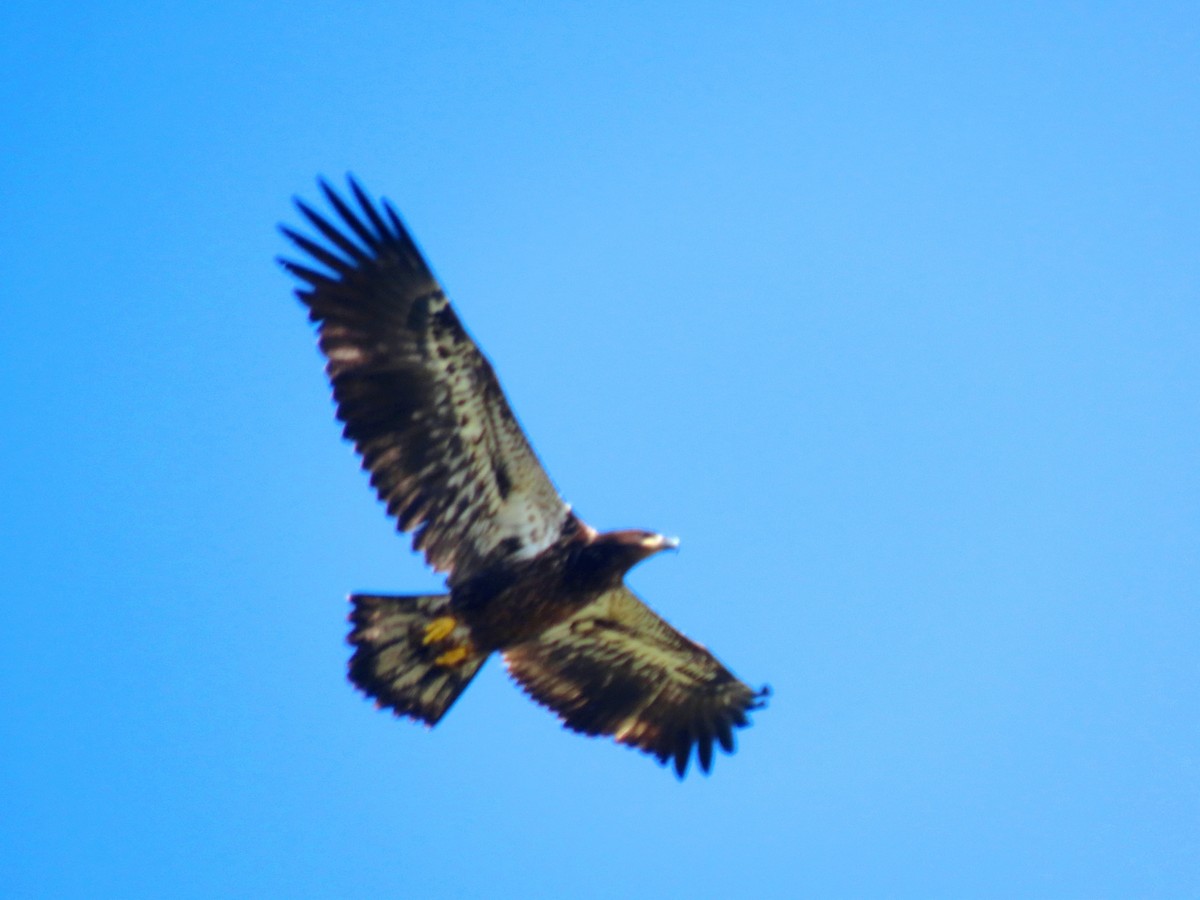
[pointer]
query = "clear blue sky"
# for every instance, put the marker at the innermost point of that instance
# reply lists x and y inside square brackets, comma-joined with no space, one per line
[890,311]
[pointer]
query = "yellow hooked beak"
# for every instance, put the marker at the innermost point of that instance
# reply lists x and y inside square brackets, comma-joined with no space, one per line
[660,542]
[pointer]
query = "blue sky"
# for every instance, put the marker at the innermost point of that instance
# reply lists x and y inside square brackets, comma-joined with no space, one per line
[890,311]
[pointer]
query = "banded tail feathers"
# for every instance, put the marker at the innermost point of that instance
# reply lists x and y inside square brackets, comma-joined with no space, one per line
[411,654]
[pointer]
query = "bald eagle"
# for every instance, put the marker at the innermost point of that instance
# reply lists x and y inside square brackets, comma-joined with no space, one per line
[526,577]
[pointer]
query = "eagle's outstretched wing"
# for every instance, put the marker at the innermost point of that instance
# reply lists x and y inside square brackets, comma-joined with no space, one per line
[614,667]
[419,400]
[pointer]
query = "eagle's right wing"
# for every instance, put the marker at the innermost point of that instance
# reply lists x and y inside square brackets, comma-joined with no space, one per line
[615,667]
[420,402]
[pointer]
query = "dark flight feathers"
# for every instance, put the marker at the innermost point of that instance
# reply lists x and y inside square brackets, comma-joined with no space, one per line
[420,402]
[617,668]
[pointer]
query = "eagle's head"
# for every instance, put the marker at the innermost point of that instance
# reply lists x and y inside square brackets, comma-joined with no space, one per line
[599,561]
[630,546]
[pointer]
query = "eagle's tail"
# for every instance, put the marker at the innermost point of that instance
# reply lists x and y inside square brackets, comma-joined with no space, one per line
[411,653]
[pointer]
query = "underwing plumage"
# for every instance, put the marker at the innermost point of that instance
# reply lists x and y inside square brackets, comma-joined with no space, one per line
[526,577]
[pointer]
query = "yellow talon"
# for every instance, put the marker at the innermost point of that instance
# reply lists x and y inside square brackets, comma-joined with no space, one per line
[439,629]
[452,658]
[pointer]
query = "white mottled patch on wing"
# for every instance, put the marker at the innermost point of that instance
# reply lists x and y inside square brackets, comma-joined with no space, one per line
[347,354]
[525,519]
[642,635]
[527,509]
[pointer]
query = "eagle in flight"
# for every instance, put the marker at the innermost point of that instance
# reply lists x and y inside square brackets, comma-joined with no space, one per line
[526,577]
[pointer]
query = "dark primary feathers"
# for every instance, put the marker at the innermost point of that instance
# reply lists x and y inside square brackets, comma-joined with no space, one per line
[420,402]
[527,578]
[614,667]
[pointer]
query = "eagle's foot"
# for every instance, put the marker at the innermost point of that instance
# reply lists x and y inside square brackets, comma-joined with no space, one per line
[439,629]
[452,658]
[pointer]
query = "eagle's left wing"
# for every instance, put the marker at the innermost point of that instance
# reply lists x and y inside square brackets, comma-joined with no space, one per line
[420,401]
[615,667]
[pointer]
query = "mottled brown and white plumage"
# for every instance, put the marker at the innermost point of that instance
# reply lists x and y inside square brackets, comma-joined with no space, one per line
[527,577]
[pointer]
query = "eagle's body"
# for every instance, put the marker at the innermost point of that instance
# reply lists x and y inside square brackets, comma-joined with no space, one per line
[526,577]
[509,602]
